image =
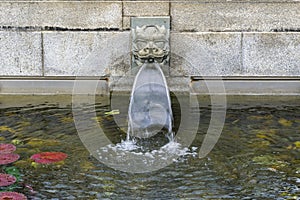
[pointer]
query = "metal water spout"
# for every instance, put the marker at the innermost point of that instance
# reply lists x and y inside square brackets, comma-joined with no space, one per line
[150,105]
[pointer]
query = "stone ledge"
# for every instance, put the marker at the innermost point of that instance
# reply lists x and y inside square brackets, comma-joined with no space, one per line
[248,87]
[52,87]
[232,1]
[21,54]
[87,15]
[232,87]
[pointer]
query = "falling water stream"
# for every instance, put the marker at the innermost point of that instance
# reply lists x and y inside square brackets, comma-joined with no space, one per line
[150,104]
[150,118]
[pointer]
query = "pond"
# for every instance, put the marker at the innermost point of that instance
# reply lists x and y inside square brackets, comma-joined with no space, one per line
[256,157]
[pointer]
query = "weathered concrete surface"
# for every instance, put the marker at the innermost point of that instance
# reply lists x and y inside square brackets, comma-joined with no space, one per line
[205,54]
[83,15]
[86,53]
[21,54]
[271,54]
[143,9]
[231,1]
[198,45]
[199,16]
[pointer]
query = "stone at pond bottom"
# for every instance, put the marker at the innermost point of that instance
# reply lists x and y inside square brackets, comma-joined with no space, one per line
[7,179]
[12,196]
[8,158]
[285,122]
[7,148]
[48,157]
[36,142]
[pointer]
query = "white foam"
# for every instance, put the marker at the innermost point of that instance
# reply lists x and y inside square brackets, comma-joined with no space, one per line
[171,149]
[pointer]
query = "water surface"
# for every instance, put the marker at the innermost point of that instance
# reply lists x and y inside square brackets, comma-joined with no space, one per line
[257,156]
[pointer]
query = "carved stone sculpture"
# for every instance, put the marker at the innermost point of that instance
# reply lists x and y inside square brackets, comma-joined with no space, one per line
[150,44]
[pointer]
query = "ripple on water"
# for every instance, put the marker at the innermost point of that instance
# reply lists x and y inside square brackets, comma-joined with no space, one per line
[255,158]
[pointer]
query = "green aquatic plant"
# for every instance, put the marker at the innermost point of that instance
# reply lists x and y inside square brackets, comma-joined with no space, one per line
[270,161]
[14,171]
[16,141]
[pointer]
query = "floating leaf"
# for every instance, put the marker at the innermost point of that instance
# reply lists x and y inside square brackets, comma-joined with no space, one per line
[235,121]
[48,157]
[8,158]
[7,148]
[12,196]
[112,112]
[285,122]
[7,179]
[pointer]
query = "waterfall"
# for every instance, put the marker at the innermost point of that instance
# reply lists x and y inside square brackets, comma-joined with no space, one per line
[150,105]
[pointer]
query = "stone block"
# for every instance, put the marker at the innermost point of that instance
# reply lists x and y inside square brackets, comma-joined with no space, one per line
[131,8]
[126,23]
[236,16]
[86,53]
[271,54]
[21,54]
[64,14]
[205,54]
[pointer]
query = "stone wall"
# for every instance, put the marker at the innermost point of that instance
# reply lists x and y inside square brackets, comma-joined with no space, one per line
[65,38]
